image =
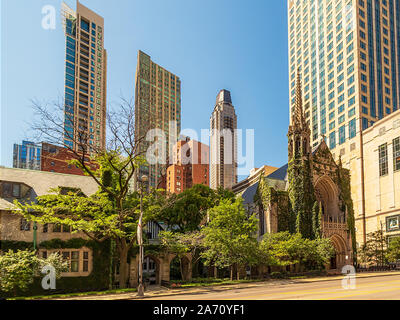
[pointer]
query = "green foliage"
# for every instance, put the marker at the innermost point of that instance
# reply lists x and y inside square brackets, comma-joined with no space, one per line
[6,245]
[283,249]
[301,195]
[229,236]
[316,222]
[188,210]
[267,195]
[343,180]
[393,250]
[373,251]
[17,270]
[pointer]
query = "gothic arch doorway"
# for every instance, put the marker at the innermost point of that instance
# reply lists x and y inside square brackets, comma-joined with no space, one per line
[151,270]
[327,195]
[340,258]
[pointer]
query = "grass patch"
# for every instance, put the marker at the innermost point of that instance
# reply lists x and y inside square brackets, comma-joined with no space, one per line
[78,294]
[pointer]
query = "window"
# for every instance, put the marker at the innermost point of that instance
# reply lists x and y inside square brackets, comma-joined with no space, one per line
[10,190]
[25,225]
[396,154]
[57,227]
[352,129]
[342,134]
[383,160]
[392,223]
[85,261]
[332,140]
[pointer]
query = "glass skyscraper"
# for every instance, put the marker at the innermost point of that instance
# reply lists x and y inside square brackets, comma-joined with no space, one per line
[85,78]
[348,53]
[157,106]
[27,155]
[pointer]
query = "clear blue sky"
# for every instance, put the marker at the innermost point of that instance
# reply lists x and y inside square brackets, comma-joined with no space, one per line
[237,45]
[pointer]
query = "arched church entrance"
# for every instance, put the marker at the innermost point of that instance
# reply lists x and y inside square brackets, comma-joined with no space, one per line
[327,195]
[340,258]
[151,270]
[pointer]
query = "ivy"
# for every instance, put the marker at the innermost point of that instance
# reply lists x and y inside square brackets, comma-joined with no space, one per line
[343,181]
[99,278]
[6,245]
[302,195]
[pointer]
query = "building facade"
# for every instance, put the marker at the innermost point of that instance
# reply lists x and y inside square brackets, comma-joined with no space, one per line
[15,231]
[57,159]
[349,56]
[85,79]
[309,195]
[157,106]
[190,166]
[223,143]
[381,158]
[27,155]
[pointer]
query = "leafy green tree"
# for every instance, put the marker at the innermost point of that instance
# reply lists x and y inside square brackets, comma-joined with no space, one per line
[181,244]
[18,269]
[111,213]
[187,211]
[373,251]
[283,249]
[229,237]
[393,250]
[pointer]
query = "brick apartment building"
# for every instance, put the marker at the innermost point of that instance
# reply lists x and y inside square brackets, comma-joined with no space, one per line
[190,166]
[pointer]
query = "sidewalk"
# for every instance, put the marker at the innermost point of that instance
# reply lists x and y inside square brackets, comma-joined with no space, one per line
[162,291]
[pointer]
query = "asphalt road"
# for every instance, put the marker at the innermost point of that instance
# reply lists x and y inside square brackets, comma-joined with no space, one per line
[373,288]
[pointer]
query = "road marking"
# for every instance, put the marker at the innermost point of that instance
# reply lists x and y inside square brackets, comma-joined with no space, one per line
[329,290]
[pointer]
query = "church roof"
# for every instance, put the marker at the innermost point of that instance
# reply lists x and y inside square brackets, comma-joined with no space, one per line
[279,174]
[248,195]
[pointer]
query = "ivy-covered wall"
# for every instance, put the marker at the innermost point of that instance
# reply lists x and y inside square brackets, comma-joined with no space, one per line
[99,279]
[343,181]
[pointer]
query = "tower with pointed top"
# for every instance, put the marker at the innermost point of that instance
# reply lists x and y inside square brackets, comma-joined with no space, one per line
[223,143]
[299,132]
[301,188]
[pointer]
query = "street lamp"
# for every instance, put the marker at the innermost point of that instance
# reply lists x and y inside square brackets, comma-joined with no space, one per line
[140,289]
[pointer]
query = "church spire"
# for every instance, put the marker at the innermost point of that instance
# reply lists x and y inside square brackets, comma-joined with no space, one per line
[299,132]
[298,117]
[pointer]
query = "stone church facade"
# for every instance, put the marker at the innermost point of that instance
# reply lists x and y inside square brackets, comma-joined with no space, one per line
[309,195]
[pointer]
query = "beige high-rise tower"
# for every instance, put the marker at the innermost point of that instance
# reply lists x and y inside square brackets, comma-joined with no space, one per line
[157,106]
[85,78]
[348,52]
[223,143]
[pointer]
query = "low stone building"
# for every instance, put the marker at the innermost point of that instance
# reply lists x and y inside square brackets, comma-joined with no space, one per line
[91,264]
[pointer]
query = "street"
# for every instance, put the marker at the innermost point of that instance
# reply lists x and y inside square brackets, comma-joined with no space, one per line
[371,288]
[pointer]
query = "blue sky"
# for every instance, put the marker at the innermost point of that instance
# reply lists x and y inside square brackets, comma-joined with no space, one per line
[210,44]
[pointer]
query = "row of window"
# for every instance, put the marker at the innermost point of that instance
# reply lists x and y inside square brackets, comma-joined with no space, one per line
[383,157]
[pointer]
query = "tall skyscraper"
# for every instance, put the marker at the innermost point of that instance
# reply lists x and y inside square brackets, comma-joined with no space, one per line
[27,155]
[223,143]
[85,78]
[157,106]
[348,53]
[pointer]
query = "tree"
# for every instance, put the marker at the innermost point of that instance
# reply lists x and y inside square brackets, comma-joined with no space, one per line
[283,249]
[373,251]
[187,211]
[393,250]
[229,236]
[113,212]
[181,244]
[18,269]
